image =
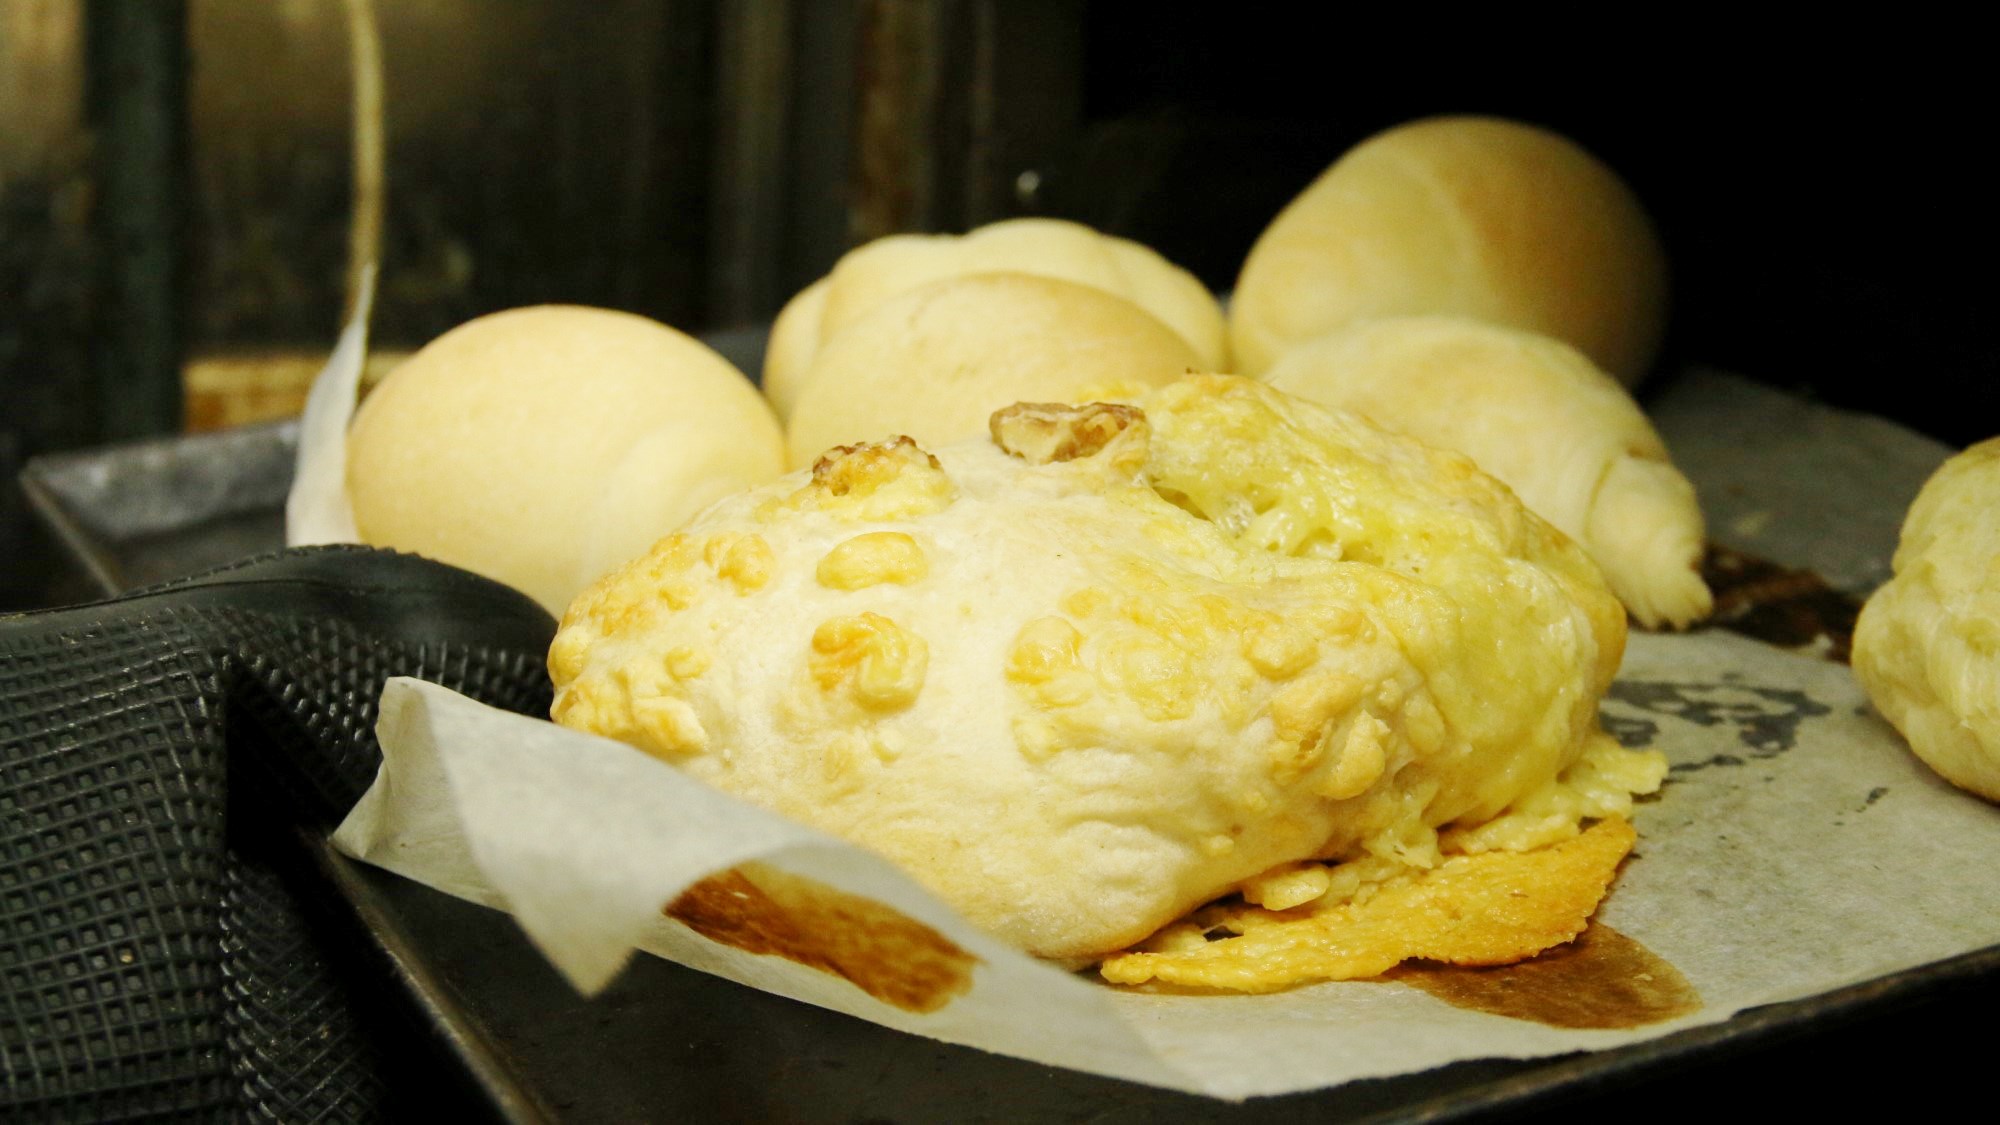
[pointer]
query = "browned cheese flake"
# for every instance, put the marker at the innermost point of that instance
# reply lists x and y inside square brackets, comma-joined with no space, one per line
[1495,908]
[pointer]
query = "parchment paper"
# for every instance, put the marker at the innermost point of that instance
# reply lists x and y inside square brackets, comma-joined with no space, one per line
[318,509]
[1797,847]
[1791,480]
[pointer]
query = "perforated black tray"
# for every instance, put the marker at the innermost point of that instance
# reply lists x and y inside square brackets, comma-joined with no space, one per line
[668,1043]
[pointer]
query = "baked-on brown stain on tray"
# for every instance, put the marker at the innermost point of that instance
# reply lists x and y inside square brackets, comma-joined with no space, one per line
[1603,979]
[1778,605]
[883,952]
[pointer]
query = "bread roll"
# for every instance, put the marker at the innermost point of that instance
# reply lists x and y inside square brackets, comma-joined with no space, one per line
[1537,414]
[1104,665]
[1469,216]
[889,267]
[933,363]
[543,446]
[788,354]
[1927,647]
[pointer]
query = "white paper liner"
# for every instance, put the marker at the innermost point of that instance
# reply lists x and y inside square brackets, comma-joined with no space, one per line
[1798,848]
[318,509]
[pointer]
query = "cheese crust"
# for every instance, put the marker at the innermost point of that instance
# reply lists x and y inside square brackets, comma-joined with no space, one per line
[1085,676]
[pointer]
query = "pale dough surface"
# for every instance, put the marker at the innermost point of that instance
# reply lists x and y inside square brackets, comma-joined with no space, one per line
[888,267]
[1927,647]
[1540,416]
[543,446]
[1086,674]
[934,362]
[1470,216]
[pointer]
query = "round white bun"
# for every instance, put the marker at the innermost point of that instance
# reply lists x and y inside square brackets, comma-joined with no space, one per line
[544,446]
[794,340]
[1470,216]
[936,362]
[1927,646]
[888,267]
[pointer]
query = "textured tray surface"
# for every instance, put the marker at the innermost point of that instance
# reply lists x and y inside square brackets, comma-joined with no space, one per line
[154,749]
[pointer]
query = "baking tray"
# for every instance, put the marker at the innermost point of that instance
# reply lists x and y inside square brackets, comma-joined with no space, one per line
[668,1043]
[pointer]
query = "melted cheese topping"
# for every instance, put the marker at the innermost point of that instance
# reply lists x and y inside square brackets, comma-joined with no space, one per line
[1079,683]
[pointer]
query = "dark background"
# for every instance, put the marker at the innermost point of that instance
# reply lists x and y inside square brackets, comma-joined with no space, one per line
[1820,191]
[1817,188]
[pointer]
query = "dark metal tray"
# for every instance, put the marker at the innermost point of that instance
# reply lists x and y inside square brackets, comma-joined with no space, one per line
[667,1043]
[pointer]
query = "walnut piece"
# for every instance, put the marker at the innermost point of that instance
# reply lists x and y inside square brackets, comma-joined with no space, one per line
[1044,432]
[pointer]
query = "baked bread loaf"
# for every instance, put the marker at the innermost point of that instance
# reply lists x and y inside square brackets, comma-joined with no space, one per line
[1105,665]
[1927,646]
[888,267]
[934,362]
[543,446]
[1471,216]
[1537,414]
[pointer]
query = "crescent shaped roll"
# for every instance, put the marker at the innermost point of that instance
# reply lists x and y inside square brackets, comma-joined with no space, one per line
[1537,414]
